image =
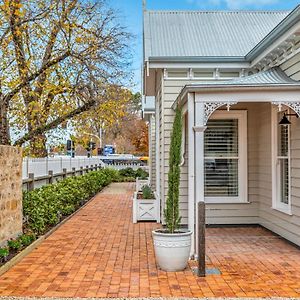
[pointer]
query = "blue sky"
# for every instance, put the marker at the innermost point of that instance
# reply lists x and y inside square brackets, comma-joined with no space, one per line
[130,12]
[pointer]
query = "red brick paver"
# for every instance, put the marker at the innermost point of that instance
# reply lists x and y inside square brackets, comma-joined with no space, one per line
[100,253]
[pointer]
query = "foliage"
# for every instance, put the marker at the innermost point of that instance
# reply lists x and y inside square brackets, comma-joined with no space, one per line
[127,172]
[102,116]
[44,207]
[141,173]
[4,252]
[171,211]
[58,59]
[120,123]
[147,192]
[27,239]
[14,244]
[124,179]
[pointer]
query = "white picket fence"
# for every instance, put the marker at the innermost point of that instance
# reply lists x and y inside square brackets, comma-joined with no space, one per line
[42,166]
[37,172]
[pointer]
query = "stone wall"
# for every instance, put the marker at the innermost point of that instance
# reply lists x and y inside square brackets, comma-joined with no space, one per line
[10,192]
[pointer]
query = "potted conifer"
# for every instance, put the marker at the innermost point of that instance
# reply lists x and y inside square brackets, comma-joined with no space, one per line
[172,245]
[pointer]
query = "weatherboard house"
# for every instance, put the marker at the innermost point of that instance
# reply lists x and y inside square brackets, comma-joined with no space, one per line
[236,77]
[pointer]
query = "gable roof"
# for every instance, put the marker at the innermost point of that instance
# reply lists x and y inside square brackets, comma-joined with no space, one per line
[206,33]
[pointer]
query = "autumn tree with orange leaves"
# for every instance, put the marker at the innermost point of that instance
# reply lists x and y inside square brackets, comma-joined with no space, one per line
[59,58]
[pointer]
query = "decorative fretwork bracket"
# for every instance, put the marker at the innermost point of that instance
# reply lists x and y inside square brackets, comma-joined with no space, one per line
[210,107]
[295,106]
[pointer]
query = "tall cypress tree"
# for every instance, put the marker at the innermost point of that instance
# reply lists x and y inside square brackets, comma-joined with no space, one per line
[171,211]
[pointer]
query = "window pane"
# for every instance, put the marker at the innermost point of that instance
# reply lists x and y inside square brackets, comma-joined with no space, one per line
[221,177]
[221,138]
[283,140]
[284,180]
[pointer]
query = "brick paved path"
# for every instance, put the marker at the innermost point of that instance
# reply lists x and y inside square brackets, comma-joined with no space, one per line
[100,253]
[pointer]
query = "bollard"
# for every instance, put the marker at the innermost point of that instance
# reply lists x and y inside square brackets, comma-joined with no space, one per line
[201,239]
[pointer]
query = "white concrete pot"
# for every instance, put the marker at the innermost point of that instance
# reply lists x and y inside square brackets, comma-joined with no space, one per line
[172,251]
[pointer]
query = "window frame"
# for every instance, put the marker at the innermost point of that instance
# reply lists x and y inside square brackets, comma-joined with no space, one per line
[241,116]
[277,204]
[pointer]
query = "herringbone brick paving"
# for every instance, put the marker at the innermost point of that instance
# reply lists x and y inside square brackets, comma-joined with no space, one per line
[100,253]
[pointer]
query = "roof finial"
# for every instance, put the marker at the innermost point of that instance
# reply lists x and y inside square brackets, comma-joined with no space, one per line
[144,5]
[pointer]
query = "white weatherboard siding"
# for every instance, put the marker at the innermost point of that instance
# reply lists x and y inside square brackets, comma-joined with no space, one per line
[292,66]
[286,225]
[159,127]
[152,152]
[242,213]
[171,90]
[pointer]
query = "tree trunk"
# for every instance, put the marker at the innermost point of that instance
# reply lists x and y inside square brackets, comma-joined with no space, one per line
[38,146]
[4,125]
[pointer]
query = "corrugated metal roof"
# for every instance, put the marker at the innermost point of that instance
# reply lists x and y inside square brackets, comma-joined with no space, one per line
[206,33]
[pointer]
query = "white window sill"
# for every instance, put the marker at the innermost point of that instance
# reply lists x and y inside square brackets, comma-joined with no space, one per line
[225,201]
[285,210]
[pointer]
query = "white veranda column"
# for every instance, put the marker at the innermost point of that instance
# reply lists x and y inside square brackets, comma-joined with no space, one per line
[199,130]
[191,168]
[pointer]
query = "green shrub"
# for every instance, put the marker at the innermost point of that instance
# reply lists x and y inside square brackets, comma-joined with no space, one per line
[141,173]
[44,207]
[27,239]
[127,172]
[14,244]
[4,252]
[171,211]
[147,192]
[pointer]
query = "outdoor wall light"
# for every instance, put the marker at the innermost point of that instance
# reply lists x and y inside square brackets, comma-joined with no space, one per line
[285,121]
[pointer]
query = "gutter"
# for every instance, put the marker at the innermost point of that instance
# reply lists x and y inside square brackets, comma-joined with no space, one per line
[205,59]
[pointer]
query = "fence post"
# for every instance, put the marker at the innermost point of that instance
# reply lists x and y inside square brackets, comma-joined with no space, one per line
[201,239]
[50,174]
[81,170]
[74,171]
[86,169]
[64,173]
[30,186]
[47,165]
[27,166]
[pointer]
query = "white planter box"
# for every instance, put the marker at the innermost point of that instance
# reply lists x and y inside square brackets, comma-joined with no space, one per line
[144,209]
[139,183]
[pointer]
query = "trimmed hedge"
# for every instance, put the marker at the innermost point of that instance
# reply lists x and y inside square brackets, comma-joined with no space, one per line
[46,206]
[130,173]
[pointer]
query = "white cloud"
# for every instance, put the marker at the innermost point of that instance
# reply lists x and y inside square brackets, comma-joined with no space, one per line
[232,4]
[238,4]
